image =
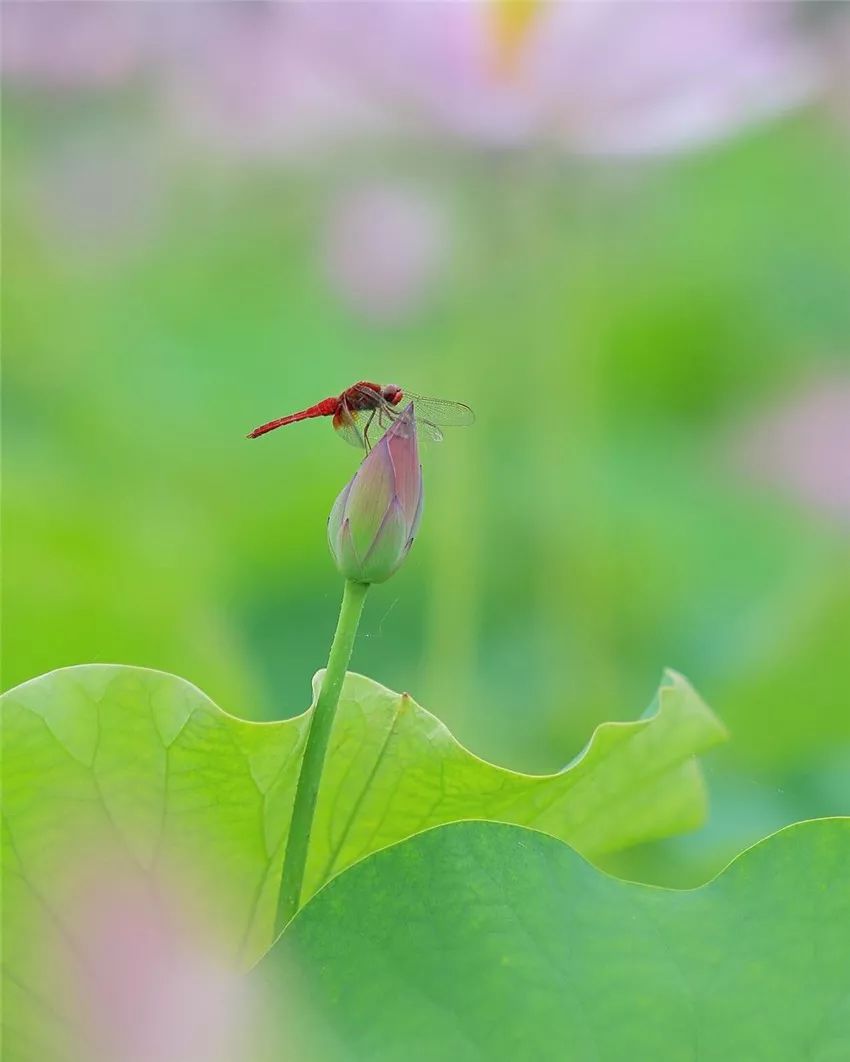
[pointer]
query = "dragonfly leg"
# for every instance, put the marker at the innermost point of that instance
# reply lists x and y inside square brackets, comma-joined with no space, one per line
[366,431]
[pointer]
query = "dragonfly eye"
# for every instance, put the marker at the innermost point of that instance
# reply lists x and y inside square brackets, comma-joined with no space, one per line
[393,394]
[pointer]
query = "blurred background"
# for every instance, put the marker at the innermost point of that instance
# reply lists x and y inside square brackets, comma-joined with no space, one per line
[618,230]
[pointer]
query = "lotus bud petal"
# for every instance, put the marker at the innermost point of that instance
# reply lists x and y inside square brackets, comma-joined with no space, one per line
[375,518]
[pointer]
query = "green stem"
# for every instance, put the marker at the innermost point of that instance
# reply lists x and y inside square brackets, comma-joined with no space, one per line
[307,789]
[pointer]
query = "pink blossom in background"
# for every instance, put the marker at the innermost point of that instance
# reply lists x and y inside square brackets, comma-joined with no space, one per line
[590,77]
[242,79]
[802,447]
[384,248]
[74,44]
[602,77]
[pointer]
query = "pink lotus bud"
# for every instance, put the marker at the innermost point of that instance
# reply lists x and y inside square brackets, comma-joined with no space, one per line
[375,519]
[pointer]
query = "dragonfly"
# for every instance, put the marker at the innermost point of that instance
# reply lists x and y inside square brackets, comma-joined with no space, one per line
[364,410]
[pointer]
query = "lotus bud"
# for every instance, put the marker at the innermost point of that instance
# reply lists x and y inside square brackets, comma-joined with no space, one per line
[375,519]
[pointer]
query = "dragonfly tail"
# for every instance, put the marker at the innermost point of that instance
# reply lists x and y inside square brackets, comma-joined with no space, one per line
[319,410]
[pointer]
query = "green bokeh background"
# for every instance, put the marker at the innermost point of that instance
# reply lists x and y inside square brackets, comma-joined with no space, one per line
[612,323]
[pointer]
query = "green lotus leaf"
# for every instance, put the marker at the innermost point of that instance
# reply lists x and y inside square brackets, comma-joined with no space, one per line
[127,759]
[485,941]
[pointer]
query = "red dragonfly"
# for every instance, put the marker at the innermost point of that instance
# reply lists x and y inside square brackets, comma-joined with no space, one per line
[367,407]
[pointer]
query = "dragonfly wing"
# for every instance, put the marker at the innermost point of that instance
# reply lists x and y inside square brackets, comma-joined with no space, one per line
[363,427]
[349,425]
[425,429]
[429,430]
[439,411]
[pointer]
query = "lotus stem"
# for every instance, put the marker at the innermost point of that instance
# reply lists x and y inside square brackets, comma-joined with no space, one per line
[315,749]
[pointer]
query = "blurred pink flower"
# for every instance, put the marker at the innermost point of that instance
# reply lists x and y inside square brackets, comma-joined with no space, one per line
[74,44]
[597,77]
[802,446]
[242,78]
[591,77]
[384,247]
[146,990]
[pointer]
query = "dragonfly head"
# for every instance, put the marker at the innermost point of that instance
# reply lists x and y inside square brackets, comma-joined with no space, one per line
[392,394]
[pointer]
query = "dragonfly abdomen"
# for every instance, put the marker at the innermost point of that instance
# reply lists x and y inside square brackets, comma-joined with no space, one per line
[326,408]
